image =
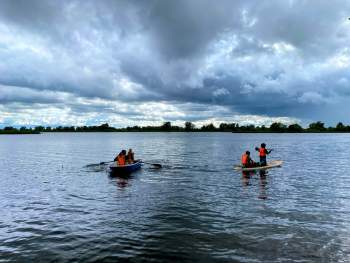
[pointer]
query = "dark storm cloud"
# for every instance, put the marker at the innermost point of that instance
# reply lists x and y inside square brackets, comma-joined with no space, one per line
[313,27]
[10,94]
[35,14]
[184,28]
[274,58]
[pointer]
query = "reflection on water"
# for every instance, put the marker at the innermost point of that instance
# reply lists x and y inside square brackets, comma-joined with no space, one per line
[121,180]
[263,184]
[196,208]
[262,175]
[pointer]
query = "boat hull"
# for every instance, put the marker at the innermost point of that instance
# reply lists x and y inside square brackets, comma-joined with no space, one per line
[125,169]
[272,164]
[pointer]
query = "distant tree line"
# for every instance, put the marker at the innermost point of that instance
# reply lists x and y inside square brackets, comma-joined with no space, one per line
[22,130]
[275,127]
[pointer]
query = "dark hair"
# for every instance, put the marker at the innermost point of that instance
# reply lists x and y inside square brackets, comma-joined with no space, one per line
[263,145]
[247,152]
[123,152]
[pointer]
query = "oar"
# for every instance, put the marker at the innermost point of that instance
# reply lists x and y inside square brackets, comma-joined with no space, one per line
[106,162]
[158,165]
[101,163]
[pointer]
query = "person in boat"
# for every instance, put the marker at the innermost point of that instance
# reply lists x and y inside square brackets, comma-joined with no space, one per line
[247,162]
[263,152]
[130,157]
[121,158]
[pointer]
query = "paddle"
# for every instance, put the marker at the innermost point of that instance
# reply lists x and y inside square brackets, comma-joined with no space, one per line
[158,165]
[96,164]
[106,162]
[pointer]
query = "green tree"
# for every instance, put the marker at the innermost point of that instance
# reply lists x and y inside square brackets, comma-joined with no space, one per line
[278,127]
[166,126]
[209,127]
[189,126]
[317,126]
[39,128]
[227,127]
[340,127]
[295,128]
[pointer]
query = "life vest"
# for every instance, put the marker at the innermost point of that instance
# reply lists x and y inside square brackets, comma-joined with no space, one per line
[245,159]
[262,152]
[121,160]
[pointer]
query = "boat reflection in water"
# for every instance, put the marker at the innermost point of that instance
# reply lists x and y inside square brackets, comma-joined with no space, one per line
[123,174]
[262,184]
[123,182]
[246,178]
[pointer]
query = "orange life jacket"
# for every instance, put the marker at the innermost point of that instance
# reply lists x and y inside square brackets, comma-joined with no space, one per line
[121,160]
[245,159]
[262,152]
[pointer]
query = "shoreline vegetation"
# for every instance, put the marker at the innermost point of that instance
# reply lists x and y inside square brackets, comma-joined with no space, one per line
[276,127]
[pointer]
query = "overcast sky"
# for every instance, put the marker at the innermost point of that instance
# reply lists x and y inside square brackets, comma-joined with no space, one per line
[145,62]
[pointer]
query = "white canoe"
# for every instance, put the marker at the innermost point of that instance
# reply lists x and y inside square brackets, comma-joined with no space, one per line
[272,164]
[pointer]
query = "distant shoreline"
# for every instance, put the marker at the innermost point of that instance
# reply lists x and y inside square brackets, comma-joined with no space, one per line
[2,132]
[238,132]
[241,132]
[315,127]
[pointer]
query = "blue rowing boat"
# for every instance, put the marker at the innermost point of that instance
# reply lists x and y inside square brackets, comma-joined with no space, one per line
[125,169]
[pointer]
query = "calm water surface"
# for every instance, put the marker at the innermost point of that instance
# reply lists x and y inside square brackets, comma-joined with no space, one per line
[194,209]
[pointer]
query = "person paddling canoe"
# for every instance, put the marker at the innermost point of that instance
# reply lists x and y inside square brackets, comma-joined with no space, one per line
[247,162]
[263,152]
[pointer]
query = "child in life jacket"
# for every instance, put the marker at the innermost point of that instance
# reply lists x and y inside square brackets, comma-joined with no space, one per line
[121,158]
[263,152]
[247,161]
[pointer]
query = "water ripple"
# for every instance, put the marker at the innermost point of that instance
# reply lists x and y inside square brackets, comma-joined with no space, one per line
[194,209]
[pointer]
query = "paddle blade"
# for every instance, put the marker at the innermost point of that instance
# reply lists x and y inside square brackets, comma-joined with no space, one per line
[90,165]
[156,165]
[97,164]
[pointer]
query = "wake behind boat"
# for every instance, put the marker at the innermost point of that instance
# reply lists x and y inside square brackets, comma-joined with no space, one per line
[269,165]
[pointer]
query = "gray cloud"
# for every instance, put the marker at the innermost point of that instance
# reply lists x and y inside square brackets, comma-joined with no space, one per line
[272,58]
[12,94]
[181,29]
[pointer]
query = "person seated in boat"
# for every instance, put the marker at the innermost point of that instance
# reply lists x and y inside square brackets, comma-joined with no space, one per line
[121,158]
[130,157]
[247,162]
[263,152]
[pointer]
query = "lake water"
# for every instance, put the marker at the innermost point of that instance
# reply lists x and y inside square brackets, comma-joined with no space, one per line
[194,209]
